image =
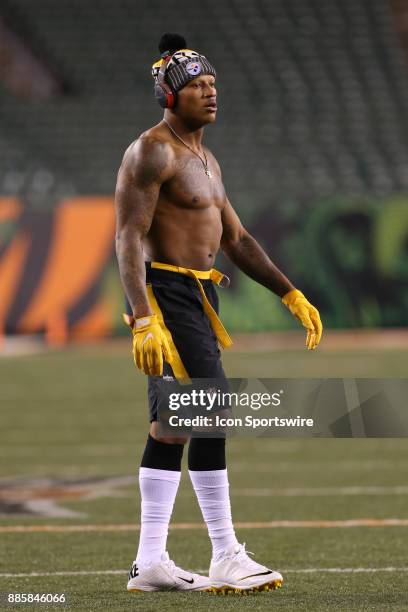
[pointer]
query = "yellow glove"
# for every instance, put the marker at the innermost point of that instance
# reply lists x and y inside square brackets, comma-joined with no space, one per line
[149,344]
[307,314]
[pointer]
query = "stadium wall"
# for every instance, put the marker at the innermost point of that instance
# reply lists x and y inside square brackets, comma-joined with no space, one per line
[59,277]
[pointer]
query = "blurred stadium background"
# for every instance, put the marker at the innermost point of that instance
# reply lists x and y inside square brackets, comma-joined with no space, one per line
[312,138]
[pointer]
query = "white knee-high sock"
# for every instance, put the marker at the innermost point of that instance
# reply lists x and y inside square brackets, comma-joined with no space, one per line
[158,489]
[212,490]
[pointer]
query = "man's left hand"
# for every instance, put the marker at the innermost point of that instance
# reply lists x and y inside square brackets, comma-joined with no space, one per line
[307,314]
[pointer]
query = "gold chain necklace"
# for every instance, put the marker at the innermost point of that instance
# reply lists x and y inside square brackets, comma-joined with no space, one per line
[203,161]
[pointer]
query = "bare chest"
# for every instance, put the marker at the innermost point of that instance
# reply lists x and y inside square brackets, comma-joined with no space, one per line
[193,187]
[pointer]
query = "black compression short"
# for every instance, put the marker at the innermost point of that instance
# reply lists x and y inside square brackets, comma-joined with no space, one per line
[178,298]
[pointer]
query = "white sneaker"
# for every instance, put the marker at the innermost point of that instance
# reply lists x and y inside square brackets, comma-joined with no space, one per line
[165,576]
[235,572]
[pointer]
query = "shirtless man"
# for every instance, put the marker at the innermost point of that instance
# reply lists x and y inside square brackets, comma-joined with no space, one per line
[173,216]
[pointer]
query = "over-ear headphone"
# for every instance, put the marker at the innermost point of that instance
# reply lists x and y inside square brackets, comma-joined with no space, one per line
[162,91]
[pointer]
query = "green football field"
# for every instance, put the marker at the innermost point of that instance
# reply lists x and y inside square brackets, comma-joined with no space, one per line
[73,425]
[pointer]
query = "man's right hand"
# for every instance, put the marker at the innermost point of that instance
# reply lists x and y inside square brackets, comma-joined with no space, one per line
[150,345]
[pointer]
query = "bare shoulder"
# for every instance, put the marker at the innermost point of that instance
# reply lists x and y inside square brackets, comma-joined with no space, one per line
[149,158]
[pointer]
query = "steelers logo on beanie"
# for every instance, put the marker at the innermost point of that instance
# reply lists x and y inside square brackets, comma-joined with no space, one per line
[184,64]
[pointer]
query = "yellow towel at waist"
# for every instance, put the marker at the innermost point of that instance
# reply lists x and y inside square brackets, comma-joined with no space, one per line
[219,279]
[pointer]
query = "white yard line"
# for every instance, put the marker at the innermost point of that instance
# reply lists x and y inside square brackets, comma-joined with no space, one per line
[294,466]
[363,522]
[320,491]
[308,570]
[79,573]
[344,570]
[300,491]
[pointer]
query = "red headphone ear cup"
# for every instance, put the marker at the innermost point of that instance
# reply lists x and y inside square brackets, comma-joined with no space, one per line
[162,91]
[165,97]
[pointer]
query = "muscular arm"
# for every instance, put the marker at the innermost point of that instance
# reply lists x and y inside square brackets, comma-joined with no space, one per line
[246,253]
[146,164]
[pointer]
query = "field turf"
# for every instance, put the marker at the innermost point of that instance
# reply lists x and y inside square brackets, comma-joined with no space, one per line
[73,425]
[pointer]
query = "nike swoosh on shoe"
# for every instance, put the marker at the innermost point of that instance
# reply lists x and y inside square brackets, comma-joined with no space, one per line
[254,575]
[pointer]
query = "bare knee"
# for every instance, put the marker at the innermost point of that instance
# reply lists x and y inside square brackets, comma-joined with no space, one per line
[155,433]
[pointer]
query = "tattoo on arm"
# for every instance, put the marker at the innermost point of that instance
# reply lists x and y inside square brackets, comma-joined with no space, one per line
[145,166]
